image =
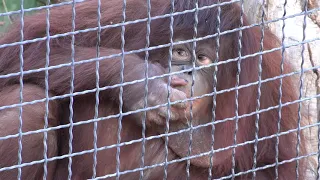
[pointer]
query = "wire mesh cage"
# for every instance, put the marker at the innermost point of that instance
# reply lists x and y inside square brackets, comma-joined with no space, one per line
[172,89]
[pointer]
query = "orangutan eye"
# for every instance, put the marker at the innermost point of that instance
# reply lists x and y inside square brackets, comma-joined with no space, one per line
[203,60]
[180,54]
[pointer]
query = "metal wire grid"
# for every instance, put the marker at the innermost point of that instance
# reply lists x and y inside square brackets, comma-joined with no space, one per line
[216,63]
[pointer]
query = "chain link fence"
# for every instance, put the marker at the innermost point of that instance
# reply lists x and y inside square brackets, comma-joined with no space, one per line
[141,89]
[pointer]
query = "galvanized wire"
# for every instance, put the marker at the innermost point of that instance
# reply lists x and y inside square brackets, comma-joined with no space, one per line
[166,142]
[255,147]
[146,89]
[177,160]
[166,135]
[71,90]
[162,105]
[194,55]
[96,107]
[280,91]
[237,92]
[214,88]
[305,8]
[45,134]
[121,90]
[21,89]
[161,17]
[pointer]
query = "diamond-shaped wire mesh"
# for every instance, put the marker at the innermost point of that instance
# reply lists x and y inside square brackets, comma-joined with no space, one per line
[143,89]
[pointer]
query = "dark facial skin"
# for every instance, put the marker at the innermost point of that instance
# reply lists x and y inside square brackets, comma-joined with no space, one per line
[183,59]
